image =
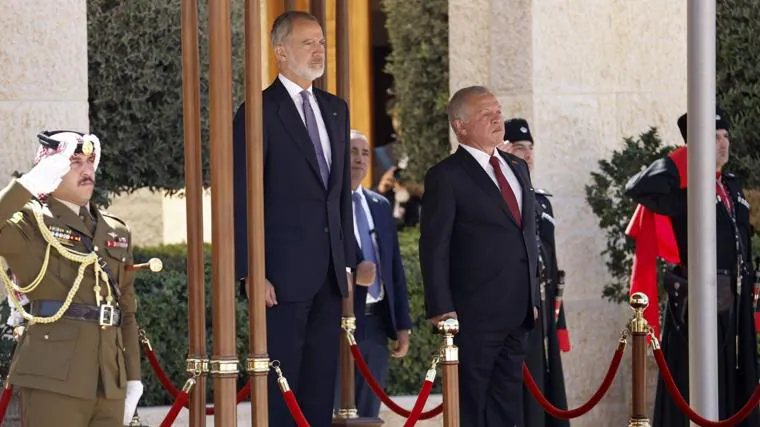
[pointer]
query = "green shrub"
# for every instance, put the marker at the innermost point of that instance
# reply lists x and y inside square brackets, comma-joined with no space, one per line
[418,32]
[162,312]
[135,89]
[405,375]
[606,197]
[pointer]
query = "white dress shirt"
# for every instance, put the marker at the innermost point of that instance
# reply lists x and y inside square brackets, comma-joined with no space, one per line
[371,223]
[295,94]
[483,160]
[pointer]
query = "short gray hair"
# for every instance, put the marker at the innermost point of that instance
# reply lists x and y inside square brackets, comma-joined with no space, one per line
[283,25]
[355,134]
[459,101]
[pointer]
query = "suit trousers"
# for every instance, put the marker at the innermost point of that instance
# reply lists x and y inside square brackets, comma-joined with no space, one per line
[42,408]
[304,336]
[490,377]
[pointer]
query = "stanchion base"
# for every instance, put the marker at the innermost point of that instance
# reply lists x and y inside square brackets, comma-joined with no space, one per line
[372,422]
[639,422]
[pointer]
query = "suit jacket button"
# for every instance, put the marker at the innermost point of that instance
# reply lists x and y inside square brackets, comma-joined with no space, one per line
[327,230]
[96,248]
[46,336]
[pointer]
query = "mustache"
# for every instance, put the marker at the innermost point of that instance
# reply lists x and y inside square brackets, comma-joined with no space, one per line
[86,181]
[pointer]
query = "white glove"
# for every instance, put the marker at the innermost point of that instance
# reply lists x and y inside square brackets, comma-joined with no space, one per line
[45,177]
[134,391]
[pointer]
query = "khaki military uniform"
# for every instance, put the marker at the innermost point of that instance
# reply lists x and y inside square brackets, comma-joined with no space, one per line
[72,372]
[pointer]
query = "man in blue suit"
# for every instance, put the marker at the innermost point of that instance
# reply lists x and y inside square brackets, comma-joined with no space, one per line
[381,304]
[309,238]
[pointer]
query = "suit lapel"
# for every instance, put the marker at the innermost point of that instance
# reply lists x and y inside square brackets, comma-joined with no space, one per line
[292,122]
[482,180]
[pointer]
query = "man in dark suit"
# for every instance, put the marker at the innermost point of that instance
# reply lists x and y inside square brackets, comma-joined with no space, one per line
[309,239]
[381,303]
[479,256]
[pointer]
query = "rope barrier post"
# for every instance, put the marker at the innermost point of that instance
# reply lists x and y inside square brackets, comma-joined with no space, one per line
[347,414]
[450,372]
[639,330]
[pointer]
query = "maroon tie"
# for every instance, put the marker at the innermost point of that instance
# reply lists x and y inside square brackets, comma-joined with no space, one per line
[506,191]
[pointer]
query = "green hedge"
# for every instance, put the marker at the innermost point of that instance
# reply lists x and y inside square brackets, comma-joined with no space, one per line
[418,32]
[162,311]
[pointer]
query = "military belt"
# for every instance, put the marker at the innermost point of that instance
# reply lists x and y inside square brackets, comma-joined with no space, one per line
[105,315]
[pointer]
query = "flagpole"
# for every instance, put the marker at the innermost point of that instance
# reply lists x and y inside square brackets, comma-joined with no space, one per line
[703,329]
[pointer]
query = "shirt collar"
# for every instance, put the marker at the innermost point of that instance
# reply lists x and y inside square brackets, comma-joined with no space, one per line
[360,191]
[293,89]
[481,156]
[73,206]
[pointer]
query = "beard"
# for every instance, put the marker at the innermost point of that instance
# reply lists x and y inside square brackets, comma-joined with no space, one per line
[308,73]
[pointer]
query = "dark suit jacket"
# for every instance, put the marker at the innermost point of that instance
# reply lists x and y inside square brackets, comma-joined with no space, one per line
[308,229]
[391,269]
[475,259]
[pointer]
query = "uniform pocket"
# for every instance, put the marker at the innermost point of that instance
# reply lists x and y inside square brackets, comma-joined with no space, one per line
[47,350]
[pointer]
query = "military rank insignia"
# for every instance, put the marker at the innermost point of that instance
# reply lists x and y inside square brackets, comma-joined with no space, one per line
[65,235]
[118,242]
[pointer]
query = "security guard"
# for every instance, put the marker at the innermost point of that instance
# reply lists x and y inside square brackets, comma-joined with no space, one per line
[550,336]
[78,362]
[662,188]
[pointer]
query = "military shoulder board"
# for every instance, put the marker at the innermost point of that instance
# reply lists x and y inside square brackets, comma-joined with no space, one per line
[743,201]
[548,217]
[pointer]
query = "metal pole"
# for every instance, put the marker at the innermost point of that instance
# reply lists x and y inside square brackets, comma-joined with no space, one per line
[638,329]
[224,363]
[197,359]
[258,359]
[450,372]
[703,328]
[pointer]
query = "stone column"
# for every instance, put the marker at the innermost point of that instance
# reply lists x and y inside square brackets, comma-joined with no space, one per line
[585,74]
[43,75]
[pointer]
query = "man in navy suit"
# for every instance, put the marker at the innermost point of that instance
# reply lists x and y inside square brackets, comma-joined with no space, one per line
[309,238]
[478,254]
[381,303]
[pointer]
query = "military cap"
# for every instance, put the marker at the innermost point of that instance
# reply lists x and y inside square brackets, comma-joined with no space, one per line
[721,122]
[517,130]
[50,141]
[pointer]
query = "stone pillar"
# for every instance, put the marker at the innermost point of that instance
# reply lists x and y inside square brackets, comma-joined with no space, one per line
[585,74]
[43,75]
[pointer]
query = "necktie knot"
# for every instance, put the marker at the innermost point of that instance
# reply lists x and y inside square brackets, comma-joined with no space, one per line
[355,196]
[305,96]
[494,161]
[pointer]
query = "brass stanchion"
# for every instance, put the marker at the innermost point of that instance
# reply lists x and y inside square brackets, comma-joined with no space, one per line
[639,330]
[347,414]
[196,291]
[450,368]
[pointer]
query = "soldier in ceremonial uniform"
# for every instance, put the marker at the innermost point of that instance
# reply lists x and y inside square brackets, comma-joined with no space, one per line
[77,363]
[662,189]
[550,335]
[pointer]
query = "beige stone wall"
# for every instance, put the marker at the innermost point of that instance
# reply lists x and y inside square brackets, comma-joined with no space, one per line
[585,74]
[43,75]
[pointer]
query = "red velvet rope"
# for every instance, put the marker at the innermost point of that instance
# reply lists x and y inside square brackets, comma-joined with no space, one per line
[683,405]
[295,410]
[379,392]
[4,400]
[242,394]
[419,404]
[581,410]
[179,402]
